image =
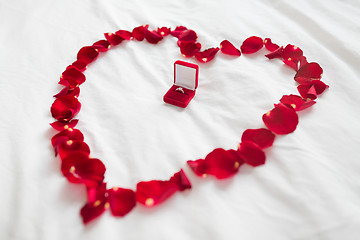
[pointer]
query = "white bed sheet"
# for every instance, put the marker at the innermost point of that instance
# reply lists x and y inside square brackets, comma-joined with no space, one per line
[308,189]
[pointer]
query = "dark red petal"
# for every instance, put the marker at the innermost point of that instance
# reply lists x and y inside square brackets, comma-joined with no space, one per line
[227,48]
[91,211]
[139,32]
[113,39]
[275,54]
[66,91]
[292,53]
[154,192]
[126,35]
[121,201]
[281,120]
[320,87]
[303,61]
[262,137]
[87,54]
[207,55]
[102,45]
[68,134]
[188,49]
[309,72]
[296,102]
[80,65]
[294,63]
[63,125]
[164,31]
[270,46]
[153,37]
[73,77]
[66,148]
[188,36]
[310,90]
[65,108]
[251,153]
[181,180]
[97,193]
[252,45]
[223,164]
[77,167]
[198,166]
[178,30]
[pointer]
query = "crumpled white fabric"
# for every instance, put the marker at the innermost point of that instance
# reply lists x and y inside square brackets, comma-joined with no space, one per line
[309,187]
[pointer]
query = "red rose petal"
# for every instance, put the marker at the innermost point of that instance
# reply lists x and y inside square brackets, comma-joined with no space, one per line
[97,193]
[291,56]
[65,108]
[63,125]
[164,31]
[153,37]
[296,102]
[66,91]
[181,180]
[91,211]
[199,167]
[223,164]
[68,134]
[72,77]
[80,65]
[310,90]
[251,153]
[87,54]
[77,167]
[102,45]
[126,35]
[188,49]
[121,201]
[227,48]
[252,45]
[303,61]
[262,137]
[188,36]
[66,148]
[113,39]
[309,72]
[275,54]
[139,32]
[154,192]
[178,30]
[269,45]
[294,64]
[207,55]
[281,120]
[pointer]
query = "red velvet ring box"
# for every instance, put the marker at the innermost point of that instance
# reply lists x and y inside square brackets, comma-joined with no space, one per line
[186,76]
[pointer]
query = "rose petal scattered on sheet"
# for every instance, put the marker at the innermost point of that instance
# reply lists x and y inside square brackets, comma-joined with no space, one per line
[178,30]
[90,211]
[270,46]
[154,192]
[153,37]
[126,35]
[252,45]
[66,91]
[227,47]
[66,135]
[188,49]
[63,125]
[309,72]
[206,55]
[102,45]
[282,119]
[87,54]
[72,77]
[121,201]
[164,31]
[310,90]
[199,167]
[66,148]
[276,54]
[139,32]
[65,108]
[262,137]
[296,102]
[180,179]
[251,153]
[113,39]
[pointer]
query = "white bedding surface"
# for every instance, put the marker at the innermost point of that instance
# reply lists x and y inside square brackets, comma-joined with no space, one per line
[309,187]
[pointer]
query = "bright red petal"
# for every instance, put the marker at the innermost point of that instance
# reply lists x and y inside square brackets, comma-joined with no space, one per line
[251,153]
[77,167]
[199,167]
[188,49]
[126,35]
[154,192]
[270,46]
[65,108]
[70,146]
[309,72]
[252,45]
[188,36]
[227,48]
[281,120]
[275,54]
[63,125]
[139,32]
[87,54]
[310,90]
[121,201]
[296,102]
[262,137]
[72,77]
[102,45]
[291,56]
[178,30]
[181,180]
[153,37]
[91,211]
[113,39]
[80,65]
[164,31]
[68,134]
[207,55]
[223,164]
[97,193]
[66,91]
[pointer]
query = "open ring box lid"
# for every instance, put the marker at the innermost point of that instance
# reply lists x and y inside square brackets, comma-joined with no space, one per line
[186,76]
